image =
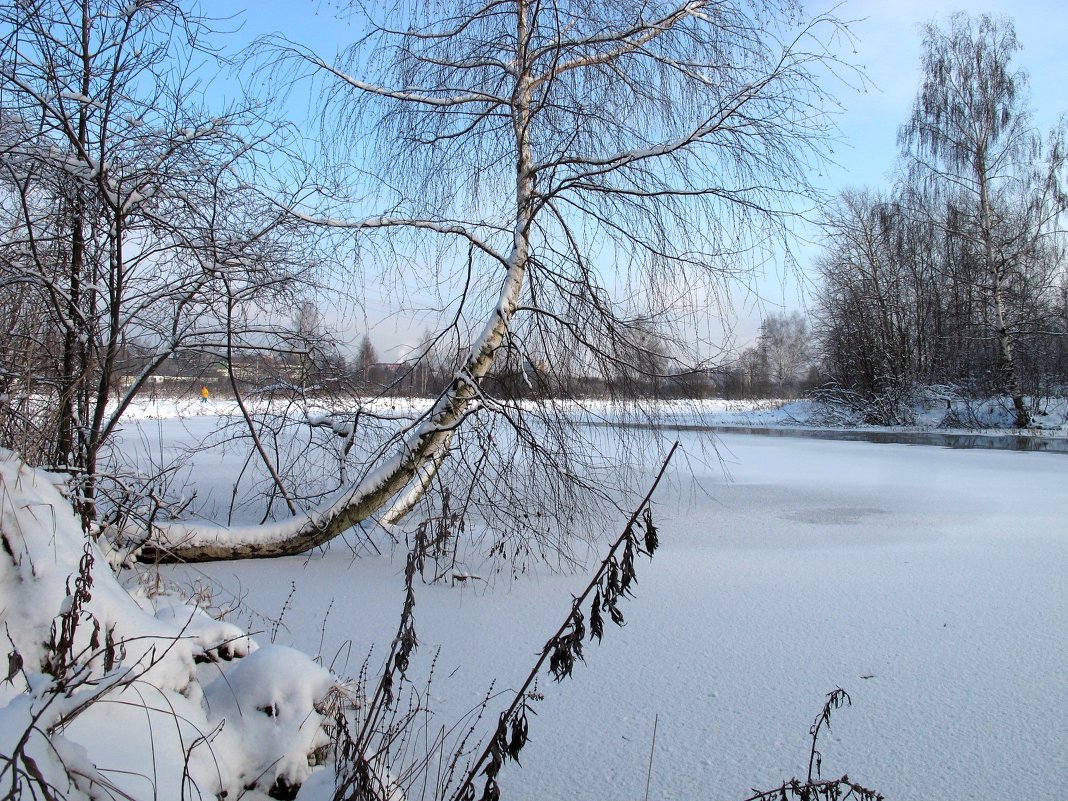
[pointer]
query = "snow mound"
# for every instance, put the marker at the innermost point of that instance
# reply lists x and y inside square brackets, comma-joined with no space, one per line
[272,700]
[191,706]
[214,639]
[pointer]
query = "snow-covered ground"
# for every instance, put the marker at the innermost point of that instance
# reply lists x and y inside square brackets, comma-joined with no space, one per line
[929,583]
[929,409]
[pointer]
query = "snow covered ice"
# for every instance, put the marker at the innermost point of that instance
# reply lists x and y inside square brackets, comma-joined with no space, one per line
[927,582]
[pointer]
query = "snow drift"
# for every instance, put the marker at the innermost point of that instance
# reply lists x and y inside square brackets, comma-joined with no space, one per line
[191,706]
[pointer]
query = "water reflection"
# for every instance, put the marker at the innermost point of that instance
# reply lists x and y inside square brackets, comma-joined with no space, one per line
[1004,442]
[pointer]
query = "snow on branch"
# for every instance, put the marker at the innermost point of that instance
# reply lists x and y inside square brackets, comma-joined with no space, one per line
[436,226]
[404,95]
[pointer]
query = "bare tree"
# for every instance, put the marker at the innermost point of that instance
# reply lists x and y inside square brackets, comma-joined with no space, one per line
[785,342]
[130,222]
[880,291]
[971,142]
[538,156]
[747,377]
[366,358]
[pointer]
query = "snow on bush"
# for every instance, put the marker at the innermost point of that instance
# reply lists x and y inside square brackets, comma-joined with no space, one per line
[107,695]
[270,703]
[214,639]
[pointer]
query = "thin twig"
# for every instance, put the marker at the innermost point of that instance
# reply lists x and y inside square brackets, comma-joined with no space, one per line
[652,748]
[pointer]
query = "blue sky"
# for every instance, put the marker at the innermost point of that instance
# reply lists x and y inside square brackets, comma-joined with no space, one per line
[887,46]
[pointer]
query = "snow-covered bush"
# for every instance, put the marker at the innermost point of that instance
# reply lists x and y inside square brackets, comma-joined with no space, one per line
[271,703]
[893,405]
[191,707]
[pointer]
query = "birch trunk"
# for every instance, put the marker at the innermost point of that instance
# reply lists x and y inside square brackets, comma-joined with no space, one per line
[1004,338]
[191,542]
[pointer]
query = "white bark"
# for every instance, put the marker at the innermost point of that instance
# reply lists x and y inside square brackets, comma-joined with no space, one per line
[196,542]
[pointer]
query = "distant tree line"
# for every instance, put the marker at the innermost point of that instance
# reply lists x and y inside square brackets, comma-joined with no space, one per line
[781,364]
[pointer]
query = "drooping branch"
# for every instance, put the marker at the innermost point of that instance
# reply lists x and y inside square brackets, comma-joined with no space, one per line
[434,226]
[622,43]
[522,136]
[193,542]
[446,100]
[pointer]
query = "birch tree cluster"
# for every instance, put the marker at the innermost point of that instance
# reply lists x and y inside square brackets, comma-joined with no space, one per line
[956,276]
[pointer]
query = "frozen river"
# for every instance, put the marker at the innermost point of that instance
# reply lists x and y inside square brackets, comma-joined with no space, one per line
[929,583]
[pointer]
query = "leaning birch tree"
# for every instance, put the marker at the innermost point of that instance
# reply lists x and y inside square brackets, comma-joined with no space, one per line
[576,168]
